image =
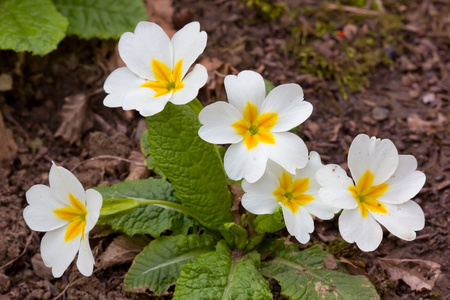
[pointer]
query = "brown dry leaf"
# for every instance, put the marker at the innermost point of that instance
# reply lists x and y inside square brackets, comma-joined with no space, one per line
[416,124]
[161,12]
[138,170]
[8,147]
[217,70]
[121,250]
[418,274]
[75,119]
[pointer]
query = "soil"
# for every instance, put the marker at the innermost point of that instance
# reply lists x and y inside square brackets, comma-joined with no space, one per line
[53,112]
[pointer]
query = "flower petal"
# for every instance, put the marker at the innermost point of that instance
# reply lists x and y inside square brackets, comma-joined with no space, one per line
[335,184]
[192,83]
[289,151]
[320,209]
[299,225]
[239,162]
[118,84]
[188,43]
[39,215]
[143,101]
[405,183]
[378,156]
[63,183]
[259,198]
[287,101]
[148,42]
[94,201]
[56,253]
[366,232]
[217,119]
[85,261]
[247,86]
[402,220]
[309,171]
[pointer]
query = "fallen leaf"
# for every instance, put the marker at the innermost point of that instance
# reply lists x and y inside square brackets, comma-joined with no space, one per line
[217,70]
[122,250]
[8,147]
[418,274]
[416,124]
[161,12]
[138,170]
[75,120]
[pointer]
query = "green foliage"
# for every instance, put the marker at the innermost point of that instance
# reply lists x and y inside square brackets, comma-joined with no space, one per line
[268,9]
[149,160]
[31,25]
[269,223]
[102,19]
[159,264]
[193,166]
[304,275]
[235,235]
[221,275]
[124,211]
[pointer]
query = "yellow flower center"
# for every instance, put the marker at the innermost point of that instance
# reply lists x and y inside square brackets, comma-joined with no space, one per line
[166,80]
[292,193]
[76,215]
[366,195]
[255,127]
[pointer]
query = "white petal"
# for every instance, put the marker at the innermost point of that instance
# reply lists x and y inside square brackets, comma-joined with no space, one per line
[405,183]
[94,201]
[188,43]
[118,84]
[402,220]
[287,101]
[309,171]
[56,253]
[240,163]
[378,156]
[143,101]
[366,232]
[289,151]
[320,209]
[335,184]
[148,42]
[85,261]
[63,183]
[217,119]
[192,83]
[247,86]
[258,198]
[299,224]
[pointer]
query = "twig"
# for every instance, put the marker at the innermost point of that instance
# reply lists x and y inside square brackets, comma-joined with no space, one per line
[353,9]
[107,157]
[21,254]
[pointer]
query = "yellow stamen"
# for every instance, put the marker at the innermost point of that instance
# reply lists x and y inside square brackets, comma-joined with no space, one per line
[292,193]
[366,195]
[166,80]
[255,127]
[75,215]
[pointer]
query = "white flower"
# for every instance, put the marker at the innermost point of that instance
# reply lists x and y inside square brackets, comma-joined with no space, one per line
[68,213]
[296,194]
[257,126]
[156,68]
[385,183]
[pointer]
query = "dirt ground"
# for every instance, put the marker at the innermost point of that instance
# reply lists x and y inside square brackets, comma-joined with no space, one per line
[52,111]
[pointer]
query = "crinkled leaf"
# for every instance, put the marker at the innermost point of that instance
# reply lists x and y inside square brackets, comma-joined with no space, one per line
[269,223]
[145,219]
[304,275]
[31,25]
[149,160]
[102,19]
[235,235]
[159,264]
[220,275]
[192,165]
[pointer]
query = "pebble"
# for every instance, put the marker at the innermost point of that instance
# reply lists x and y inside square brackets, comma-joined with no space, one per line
[380,113]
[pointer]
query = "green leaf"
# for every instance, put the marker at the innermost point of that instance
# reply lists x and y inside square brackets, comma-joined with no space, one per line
[193,166]
[269,223]
[102,19]
[235,235]
[145,219]
[220,275]
[159,264]
[303,275]
[31,25]
[269,86]
[149,160]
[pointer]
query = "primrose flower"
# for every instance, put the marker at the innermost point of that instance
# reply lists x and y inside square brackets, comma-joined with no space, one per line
[297,195]
[156,69]
[385,183]
[257,126]
[67,213]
